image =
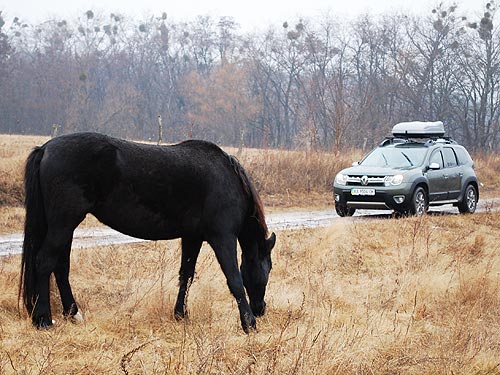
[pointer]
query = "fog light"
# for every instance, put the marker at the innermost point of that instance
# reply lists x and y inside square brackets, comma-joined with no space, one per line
[337,197]
[399,199]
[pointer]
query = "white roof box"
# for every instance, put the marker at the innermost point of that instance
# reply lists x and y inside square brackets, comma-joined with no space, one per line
[418,129]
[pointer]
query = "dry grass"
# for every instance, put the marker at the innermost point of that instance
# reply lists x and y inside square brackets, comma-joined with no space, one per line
[14,150]
[406,296]
[488,172]
[387,296]
[295,178]
[284,179]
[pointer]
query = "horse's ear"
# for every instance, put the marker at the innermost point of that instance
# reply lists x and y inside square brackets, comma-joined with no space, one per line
[271,241]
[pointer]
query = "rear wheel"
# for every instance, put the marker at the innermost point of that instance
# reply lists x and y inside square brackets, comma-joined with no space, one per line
[469,202]
[343,210]
[419,202]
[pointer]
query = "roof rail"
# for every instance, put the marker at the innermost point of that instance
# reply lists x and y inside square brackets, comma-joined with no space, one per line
[426,141]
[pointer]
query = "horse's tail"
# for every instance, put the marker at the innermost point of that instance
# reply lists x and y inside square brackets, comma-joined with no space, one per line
[35,228]
[256,214]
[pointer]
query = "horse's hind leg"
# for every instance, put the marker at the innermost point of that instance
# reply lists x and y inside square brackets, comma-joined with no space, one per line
[225,247]
[61,272]
[190,250]
[47,259]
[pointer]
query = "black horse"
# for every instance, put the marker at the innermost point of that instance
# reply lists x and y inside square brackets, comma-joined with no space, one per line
[192,190]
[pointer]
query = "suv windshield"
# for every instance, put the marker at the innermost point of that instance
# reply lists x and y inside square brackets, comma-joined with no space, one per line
[395,157]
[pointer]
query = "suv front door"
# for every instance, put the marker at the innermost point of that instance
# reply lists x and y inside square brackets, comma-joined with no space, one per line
[438,189]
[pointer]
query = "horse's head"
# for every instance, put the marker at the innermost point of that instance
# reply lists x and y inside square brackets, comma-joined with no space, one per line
[255,272]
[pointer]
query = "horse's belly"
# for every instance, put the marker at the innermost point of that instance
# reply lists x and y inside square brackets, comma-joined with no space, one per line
[140,222]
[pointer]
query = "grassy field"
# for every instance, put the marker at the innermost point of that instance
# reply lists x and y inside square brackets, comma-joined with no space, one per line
[383,296]
[285,179]
[388,296]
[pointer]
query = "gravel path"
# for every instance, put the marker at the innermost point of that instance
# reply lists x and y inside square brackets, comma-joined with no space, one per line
[104,236]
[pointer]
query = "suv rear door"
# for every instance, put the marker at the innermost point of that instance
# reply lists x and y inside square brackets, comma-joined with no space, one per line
[453,173]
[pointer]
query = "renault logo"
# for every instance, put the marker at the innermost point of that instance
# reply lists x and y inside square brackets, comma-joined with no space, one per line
[364,180]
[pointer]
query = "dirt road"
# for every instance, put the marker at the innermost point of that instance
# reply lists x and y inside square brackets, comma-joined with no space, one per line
[104,236]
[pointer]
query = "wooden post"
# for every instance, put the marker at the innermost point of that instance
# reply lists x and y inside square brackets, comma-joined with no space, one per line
[55,129]
[160,130]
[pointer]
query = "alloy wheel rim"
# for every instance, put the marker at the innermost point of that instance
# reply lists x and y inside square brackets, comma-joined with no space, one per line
[471,199]
[420,203]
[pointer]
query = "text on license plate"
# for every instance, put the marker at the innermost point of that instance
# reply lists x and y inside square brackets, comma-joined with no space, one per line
[362,191]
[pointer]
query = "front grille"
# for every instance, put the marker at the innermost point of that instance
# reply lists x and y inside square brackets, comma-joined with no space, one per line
[371,181]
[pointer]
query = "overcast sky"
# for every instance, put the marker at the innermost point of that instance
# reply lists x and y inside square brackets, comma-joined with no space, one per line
[249,14]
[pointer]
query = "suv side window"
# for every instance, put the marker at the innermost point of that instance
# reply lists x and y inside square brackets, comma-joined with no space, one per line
[436,158]
[450,159]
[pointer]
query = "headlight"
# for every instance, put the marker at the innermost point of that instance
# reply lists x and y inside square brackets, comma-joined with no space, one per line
[341,179]
[393,180]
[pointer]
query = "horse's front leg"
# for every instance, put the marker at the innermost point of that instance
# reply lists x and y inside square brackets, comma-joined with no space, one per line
[225,251]
[190,250]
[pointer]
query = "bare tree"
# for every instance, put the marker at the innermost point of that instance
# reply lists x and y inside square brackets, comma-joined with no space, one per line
[315,83]
[478,102]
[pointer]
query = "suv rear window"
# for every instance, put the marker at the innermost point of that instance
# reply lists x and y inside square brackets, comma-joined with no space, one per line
[450,160]
[463,156]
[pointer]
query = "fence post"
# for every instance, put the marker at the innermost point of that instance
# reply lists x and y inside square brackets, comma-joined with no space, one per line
[55,130]
[160,130]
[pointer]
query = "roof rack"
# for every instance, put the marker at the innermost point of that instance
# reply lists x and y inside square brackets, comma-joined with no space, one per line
[421,132]
[426,141]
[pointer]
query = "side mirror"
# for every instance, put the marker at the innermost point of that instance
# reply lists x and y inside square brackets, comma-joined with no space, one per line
[434,166]
[355,164]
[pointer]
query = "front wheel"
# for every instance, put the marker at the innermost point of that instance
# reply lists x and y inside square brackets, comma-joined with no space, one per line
[419,202]
[343,210]
[469,202]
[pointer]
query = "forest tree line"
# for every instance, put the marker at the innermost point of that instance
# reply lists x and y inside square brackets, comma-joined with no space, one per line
[321,83]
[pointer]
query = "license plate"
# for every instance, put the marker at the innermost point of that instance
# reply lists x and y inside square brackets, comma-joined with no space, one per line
[362,191]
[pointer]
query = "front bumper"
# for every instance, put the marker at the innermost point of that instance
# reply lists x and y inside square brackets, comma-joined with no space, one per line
[396,198]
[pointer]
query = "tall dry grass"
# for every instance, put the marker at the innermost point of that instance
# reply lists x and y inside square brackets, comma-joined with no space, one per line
[406,296]
[488,172]
[14,150]
[386,296]
[283,178]
[295,178]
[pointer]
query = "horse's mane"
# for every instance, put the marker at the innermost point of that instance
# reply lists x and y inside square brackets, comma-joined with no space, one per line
[258,209]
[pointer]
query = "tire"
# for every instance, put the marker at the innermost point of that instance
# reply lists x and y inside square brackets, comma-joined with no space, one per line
[343,210]
[469,202]
[419,202]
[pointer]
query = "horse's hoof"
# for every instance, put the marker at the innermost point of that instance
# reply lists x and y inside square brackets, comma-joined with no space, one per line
[249,324]
[180,315]
[77,318]
[44,323]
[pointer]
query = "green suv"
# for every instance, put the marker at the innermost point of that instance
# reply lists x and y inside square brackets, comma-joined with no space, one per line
[415,168]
